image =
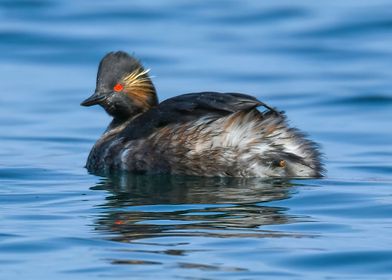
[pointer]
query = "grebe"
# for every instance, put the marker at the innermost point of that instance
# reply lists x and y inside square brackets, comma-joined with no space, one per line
[201,134]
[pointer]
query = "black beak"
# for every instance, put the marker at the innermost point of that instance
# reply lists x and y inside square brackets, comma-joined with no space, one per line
[94,99]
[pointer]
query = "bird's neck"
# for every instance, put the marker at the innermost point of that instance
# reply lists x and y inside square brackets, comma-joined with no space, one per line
[127,109]
[118,123]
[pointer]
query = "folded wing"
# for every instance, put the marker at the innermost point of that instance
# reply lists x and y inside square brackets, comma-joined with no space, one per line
[189,107]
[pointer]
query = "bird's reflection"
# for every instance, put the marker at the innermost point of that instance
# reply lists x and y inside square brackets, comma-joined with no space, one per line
[140,206]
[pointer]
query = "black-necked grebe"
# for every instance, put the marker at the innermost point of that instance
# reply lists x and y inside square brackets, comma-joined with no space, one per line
[202,134]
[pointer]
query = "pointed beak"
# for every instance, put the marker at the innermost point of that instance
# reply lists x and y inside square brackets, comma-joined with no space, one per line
[94,99]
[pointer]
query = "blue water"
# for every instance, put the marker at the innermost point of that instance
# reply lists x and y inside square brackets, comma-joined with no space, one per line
[326,63]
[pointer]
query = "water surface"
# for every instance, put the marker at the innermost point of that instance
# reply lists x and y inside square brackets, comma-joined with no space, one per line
[328,65]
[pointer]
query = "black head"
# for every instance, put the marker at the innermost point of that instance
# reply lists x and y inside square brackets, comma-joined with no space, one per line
[123,87]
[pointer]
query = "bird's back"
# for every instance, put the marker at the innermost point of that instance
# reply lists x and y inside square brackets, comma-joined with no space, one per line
[243,143]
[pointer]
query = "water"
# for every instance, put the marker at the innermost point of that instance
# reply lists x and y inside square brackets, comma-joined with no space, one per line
[327,64]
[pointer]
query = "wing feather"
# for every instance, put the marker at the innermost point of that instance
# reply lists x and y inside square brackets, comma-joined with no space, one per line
[189,107]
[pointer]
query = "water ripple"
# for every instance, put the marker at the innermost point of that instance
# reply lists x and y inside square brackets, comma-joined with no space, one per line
[327,64]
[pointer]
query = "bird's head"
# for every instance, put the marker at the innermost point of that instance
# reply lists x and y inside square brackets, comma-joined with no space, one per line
[123,87]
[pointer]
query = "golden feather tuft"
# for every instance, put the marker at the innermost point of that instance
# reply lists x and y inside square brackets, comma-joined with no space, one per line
[139,87]
[138,78]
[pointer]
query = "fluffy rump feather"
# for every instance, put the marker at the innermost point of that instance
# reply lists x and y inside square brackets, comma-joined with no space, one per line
[243,144]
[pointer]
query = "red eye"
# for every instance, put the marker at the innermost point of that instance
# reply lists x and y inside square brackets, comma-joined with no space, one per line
[118,87]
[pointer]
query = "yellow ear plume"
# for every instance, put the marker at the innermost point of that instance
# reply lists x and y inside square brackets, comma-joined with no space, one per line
[139,87]
[136,78]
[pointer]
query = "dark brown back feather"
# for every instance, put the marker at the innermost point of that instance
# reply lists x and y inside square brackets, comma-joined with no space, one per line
[189,107]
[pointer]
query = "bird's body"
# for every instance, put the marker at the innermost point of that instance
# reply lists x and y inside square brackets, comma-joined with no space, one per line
[202,134]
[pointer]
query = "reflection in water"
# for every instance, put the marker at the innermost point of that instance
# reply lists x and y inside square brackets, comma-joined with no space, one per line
[155,206]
